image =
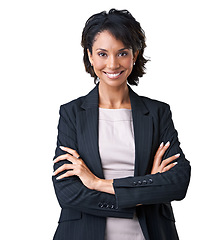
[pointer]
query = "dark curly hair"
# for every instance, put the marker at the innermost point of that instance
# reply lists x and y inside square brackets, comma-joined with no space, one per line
[124,27]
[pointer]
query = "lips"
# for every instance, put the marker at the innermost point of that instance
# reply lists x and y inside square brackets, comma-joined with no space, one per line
[113,75]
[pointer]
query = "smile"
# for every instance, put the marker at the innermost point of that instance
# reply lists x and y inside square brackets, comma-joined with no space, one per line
[113,75]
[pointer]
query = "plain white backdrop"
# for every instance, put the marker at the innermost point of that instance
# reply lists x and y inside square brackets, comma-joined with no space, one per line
[41,68]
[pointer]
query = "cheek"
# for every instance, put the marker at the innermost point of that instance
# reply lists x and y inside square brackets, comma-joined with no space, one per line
[98,63]
[129,62]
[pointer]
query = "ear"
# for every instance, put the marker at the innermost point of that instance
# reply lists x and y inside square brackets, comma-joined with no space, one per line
[135,55]
[90,57]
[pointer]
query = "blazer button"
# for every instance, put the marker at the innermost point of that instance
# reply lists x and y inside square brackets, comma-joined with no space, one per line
[139,182]
[145,181]
[100,205]
[134,183]
[110,206]
[150,181]
[105,205]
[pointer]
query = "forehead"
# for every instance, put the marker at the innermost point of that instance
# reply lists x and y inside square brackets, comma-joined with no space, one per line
[106,40]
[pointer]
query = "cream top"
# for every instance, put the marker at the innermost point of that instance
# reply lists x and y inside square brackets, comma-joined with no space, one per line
[117,152]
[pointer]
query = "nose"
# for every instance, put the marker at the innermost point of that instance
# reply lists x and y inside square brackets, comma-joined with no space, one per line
[113,62]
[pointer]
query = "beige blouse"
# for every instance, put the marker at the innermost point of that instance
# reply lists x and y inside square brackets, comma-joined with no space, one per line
[117,152]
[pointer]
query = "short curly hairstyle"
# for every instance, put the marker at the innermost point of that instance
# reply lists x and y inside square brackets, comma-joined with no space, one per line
[124,27]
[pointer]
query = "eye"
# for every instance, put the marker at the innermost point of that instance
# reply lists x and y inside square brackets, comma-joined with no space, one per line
[122,54]
[102,54]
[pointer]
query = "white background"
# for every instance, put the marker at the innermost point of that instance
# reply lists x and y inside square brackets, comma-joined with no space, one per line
[41,68]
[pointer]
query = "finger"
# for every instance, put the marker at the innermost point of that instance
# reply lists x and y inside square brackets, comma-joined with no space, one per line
[163,150]
[61,157]
[165,169]
[63,168]
[170,159]
[65,157]
[159,149]
[71,151]
[67,174]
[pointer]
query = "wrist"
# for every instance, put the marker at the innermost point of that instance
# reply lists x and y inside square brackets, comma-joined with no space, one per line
[96,184]
[104,185]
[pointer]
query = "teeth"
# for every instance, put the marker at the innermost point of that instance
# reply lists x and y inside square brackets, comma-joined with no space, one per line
[113,74]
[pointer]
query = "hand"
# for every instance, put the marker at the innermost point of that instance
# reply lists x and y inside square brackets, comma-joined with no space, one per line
[77,168]
[165,165]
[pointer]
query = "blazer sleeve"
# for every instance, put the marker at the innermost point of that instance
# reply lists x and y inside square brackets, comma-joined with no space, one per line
[160,187]
[70,192]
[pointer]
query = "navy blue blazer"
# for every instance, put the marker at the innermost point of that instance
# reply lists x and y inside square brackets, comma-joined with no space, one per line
[84,211]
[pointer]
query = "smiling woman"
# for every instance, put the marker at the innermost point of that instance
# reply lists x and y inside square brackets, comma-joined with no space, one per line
[113,175]
[121,26]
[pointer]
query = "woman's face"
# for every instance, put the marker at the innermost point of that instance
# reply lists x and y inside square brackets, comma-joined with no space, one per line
[111,60]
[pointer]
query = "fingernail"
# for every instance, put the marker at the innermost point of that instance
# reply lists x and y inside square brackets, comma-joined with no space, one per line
[57,178]
[175,163]
[162,143]
[168,143]
[62,147]
[177,155]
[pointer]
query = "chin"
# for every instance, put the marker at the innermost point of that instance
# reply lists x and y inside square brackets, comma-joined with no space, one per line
[113,83]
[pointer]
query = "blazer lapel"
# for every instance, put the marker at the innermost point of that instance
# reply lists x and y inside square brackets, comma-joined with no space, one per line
[91,118]
[143,133]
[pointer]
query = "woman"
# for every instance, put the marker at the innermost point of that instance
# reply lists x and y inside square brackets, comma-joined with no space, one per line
[116,168]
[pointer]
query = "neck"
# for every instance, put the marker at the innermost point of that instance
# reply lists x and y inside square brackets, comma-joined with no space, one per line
[114,97]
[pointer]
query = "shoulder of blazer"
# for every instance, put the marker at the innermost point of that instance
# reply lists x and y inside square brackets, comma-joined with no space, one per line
[89,100]
[154,105]
[147,105]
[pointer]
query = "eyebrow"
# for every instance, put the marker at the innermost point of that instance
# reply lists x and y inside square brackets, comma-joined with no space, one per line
[102,49]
